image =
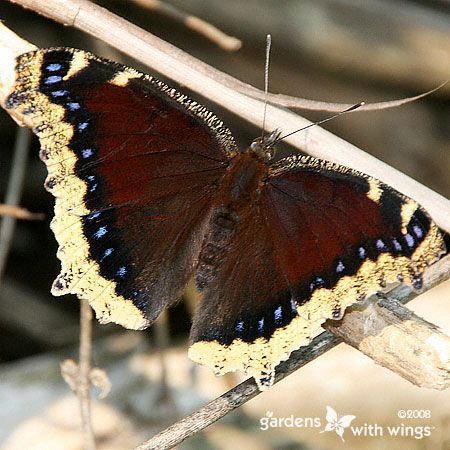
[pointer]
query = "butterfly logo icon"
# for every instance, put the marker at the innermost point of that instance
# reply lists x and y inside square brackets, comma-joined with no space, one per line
[336,423]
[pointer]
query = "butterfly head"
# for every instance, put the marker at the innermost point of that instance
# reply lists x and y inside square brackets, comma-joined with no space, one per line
[264,146]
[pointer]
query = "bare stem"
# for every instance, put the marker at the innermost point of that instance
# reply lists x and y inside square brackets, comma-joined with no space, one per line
[17,212]
[14,193]
[84,371]
[228,43]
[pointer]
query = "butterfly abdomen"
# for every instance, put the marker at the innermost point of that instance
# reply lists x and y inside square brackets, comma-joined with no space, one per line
[215,245]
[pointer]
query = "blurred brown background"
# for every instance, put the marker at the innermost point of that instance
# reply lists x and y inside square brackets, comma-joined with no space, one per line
[338,51]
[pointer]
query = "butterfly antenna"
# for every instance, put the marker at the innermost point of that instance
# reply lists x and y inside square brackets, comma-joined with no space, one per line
[352,108]
[266,81]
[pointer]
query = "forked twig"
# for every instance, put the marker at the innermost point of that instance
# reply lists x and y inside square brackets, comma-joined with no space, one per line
[228,43]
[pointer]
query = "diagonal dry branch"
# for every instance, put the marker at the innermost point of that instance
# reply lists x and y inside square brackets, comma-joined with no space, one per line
[90,18]
[228,92]
[384,330]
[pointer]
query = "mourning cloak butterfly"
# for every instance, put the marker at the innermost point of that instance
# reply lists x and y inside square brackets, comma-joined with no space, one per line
[152,191]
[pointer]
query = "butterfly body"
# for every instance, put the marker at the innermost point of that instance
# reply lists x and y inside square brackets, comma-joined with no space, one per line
[237,195]
[152,191]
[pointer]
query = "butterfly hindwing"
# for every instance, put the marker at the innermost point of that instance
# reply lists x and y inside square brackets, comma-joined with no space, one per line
[132,192]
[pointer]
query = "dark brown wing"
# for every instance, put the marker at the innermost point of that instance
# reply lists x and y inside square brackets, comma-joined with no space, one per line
[316,238]
[133,165]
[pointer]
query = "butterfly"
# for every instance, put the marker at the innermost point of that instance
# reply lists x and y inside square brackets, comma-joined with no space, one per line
[152,191]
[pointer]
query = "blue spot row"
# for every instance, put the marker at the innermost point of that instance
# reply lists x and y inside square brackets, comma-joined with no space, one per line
[72,106]
[122,272]
[278,315]
[340,267]
[52,79]
[103,242]
[100,232]
[53,67]
[87,152]
[396,245]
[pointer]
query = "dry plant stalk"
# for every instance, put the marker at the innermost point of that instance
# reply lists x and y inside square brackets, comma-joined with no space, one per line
[84,373]
[10,211]
[228,43]
[17,212]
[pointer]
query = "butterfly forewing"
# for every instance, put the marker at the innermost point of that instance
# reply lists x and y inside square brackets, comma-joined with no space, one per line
[133,190]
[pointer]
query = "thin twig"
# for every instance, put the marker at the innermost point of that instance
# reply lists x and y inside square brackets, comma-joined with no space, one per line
[228,43]
[290,101]
[215,85]
[83,387]
[13,193]
[162,342]
[357,331]
[17,212]
[235,397]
